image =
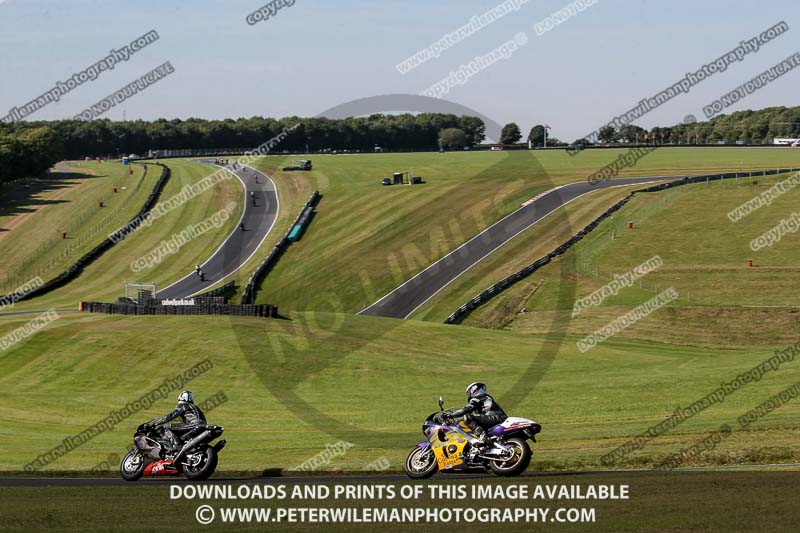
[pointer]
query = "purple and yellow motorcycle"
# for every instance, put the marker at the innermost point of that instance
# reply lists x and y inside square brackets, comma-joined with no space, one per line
[453,446]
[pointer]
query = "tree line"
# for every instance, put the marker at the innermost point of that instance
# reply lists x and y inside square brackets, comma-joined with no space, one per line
[750,127]
[396,132]
[28,152]
[29,148]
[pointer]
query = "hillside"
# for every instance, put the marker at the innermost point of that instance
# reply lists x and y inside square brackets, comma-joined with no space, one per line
[280,378]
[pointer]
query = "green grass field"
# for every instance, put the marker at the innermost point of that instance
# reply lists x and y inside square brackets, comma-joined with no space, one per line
[367,239]
[354,251]
[534,243]
[34,215]
[296,385]
[103,280]
[722,301]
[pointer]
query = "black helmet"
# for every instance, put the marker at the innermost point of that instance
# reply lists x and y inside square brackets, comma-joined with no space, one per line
[476,390]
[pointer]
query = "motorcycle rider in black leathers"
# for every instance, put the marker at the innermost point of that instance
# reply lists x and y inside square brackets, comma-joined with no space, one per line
[481,412]
[191,416]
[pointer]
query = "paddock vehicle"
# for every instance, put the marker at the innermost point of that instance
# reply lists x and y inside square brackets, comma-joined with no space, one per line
[304,164]
[453,446]
[194,456]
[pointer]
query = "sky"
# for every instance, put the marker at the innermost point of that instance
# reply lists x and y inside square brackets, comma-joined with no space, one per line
[313,55]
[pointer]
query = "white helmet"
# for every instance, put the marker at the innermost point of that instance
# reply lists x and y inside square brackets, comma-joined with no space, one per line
[186,396]
[476,389]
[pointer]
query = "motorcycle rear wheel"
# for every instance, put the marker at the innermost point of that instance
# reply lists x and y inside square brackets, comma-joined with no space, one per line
[205,467]
[421,463]
[518,463]
[132,466]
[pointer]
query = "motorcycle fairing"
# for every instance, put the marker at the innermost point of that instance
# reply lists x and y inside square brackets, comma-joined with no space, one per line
[511,425]
[160,468]
[449,452]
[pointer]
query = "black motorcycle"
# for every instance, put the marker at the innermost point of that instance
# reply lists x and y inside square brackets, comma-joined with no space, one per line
[192,455]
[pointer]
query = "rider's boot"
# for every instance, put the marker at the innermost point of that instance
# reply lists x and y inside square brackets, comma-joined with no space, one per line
[472,453]
[481,435]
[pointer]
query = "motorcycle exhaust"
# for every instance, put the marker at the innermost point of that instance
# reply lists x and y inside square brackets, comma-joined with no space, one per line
[191,444]
[219,445]
[496,452]
[495,457]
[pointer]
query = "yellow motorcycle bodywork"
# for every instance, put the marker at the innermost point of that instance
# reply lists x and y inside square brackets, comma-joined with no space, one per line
[449,450]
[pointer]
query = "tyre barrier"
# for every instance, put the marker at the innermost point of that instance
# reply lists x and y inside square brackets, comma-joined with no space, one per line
[302,221]
[219,291]
[462,312]
[153,309]
[314,199]
[77,268]
[210,300]
[150,301]
[296,233]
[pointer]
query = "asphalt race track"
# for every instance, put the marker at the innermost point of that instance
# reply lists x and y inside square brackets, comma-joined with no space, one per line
[349,478]
[408,297]
[240,245]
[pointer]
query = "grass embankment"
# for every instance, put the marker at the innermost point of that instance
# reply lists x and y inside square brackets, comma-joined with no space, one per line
[294,189]
[34,213]
[103,280]
[295,386]
[526,248]
[366,239]
[722,303]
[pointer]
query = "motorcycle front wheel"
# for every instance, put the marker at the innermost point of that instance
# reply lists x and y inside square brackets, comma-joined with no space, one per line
[517,463]
[132,466]
[421,463]
[201,464]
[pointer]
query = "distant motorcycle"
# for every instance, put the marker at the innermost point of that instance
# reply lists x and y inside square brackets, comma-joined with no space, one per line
[453,446]
[194,456]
